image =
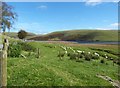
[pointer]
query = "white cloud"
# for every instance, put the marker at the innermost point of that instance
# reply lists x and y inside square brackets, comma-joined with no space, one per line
[42,7]
[115,24]
[93,2]
[103,28]
[109,27]
[96,2]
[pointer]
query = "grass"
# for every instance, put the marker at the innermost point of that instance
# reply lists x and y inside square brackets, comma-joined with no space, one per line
[49,70]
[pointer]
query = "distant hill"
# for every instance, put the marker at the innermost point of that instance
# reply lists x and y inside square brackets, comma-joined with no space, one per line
[15,35]
[80,35]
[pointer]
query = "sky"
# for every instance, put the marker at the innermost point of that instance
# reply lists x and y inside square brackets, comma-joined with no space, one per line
[46,17]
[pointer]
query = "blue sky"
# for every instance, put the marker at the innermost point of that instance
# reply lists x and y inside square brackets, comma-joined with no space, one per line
[46,17]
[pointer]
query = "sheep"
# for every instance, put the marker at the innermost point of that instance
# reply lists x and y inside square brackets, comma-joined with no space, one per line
[111,58]
[66,52]
[106,57]
[96,54]
[88,52]
[78,51]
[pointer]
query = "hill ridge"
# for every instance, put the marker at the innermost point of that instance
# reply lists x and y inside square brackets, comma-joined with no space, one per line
[79,35]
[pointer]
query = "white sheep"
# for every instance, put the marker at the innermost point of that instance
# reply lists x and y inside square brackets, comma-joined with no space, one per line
[106,57]
[88,52]
[79,51]
[96,54]
[65,52]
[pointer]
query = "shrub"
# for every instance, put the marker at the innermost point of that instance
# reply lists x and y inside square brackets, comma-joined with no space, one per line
[27,47]
[88,57]
[95,57]
[68,54]
[102,61]
[14,50]
[80,55]
[73,56]
[118,62]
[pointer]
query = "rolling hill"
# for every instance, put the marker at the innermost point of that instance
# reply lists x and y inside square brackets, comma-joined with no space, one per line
[15,35]
[80,35]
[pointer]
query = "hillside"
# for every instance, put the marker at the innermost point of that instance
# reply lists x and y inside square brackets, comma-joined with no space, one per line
[15,35]
[80,35]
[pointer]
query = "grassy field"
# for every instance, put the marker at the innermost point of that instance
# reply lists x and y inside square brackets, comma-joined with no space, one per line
[49,70]
[81,35]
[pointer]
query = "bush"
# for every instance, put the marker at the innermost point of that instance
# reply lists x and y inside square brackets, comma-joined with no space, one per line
[88,57]
[68,54]
[27,47]
[14,50]
[118,62]
[80,55]
[95,57]
[73,56]
[102,61]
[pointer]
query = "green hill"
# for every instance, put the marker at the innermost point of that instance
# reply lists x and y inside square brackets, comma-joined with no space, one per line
[80,35]
[15,35]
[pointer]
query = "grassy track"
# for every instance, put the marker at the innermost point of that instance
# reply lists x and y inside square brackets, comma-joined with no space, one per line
[49,70]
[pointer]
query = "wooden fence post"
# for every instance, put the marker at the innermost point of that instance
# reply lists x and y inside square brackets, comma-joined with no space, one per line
[3,63]
[38,53]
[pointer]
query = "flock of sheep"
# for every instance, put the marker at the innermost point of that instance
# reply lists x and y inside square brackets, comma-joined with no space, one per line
[78,54]
[74,54]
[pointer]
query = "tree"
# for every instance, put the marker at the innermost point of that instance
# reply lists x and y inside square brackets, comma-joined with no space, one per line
[22,34]
[7,18]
